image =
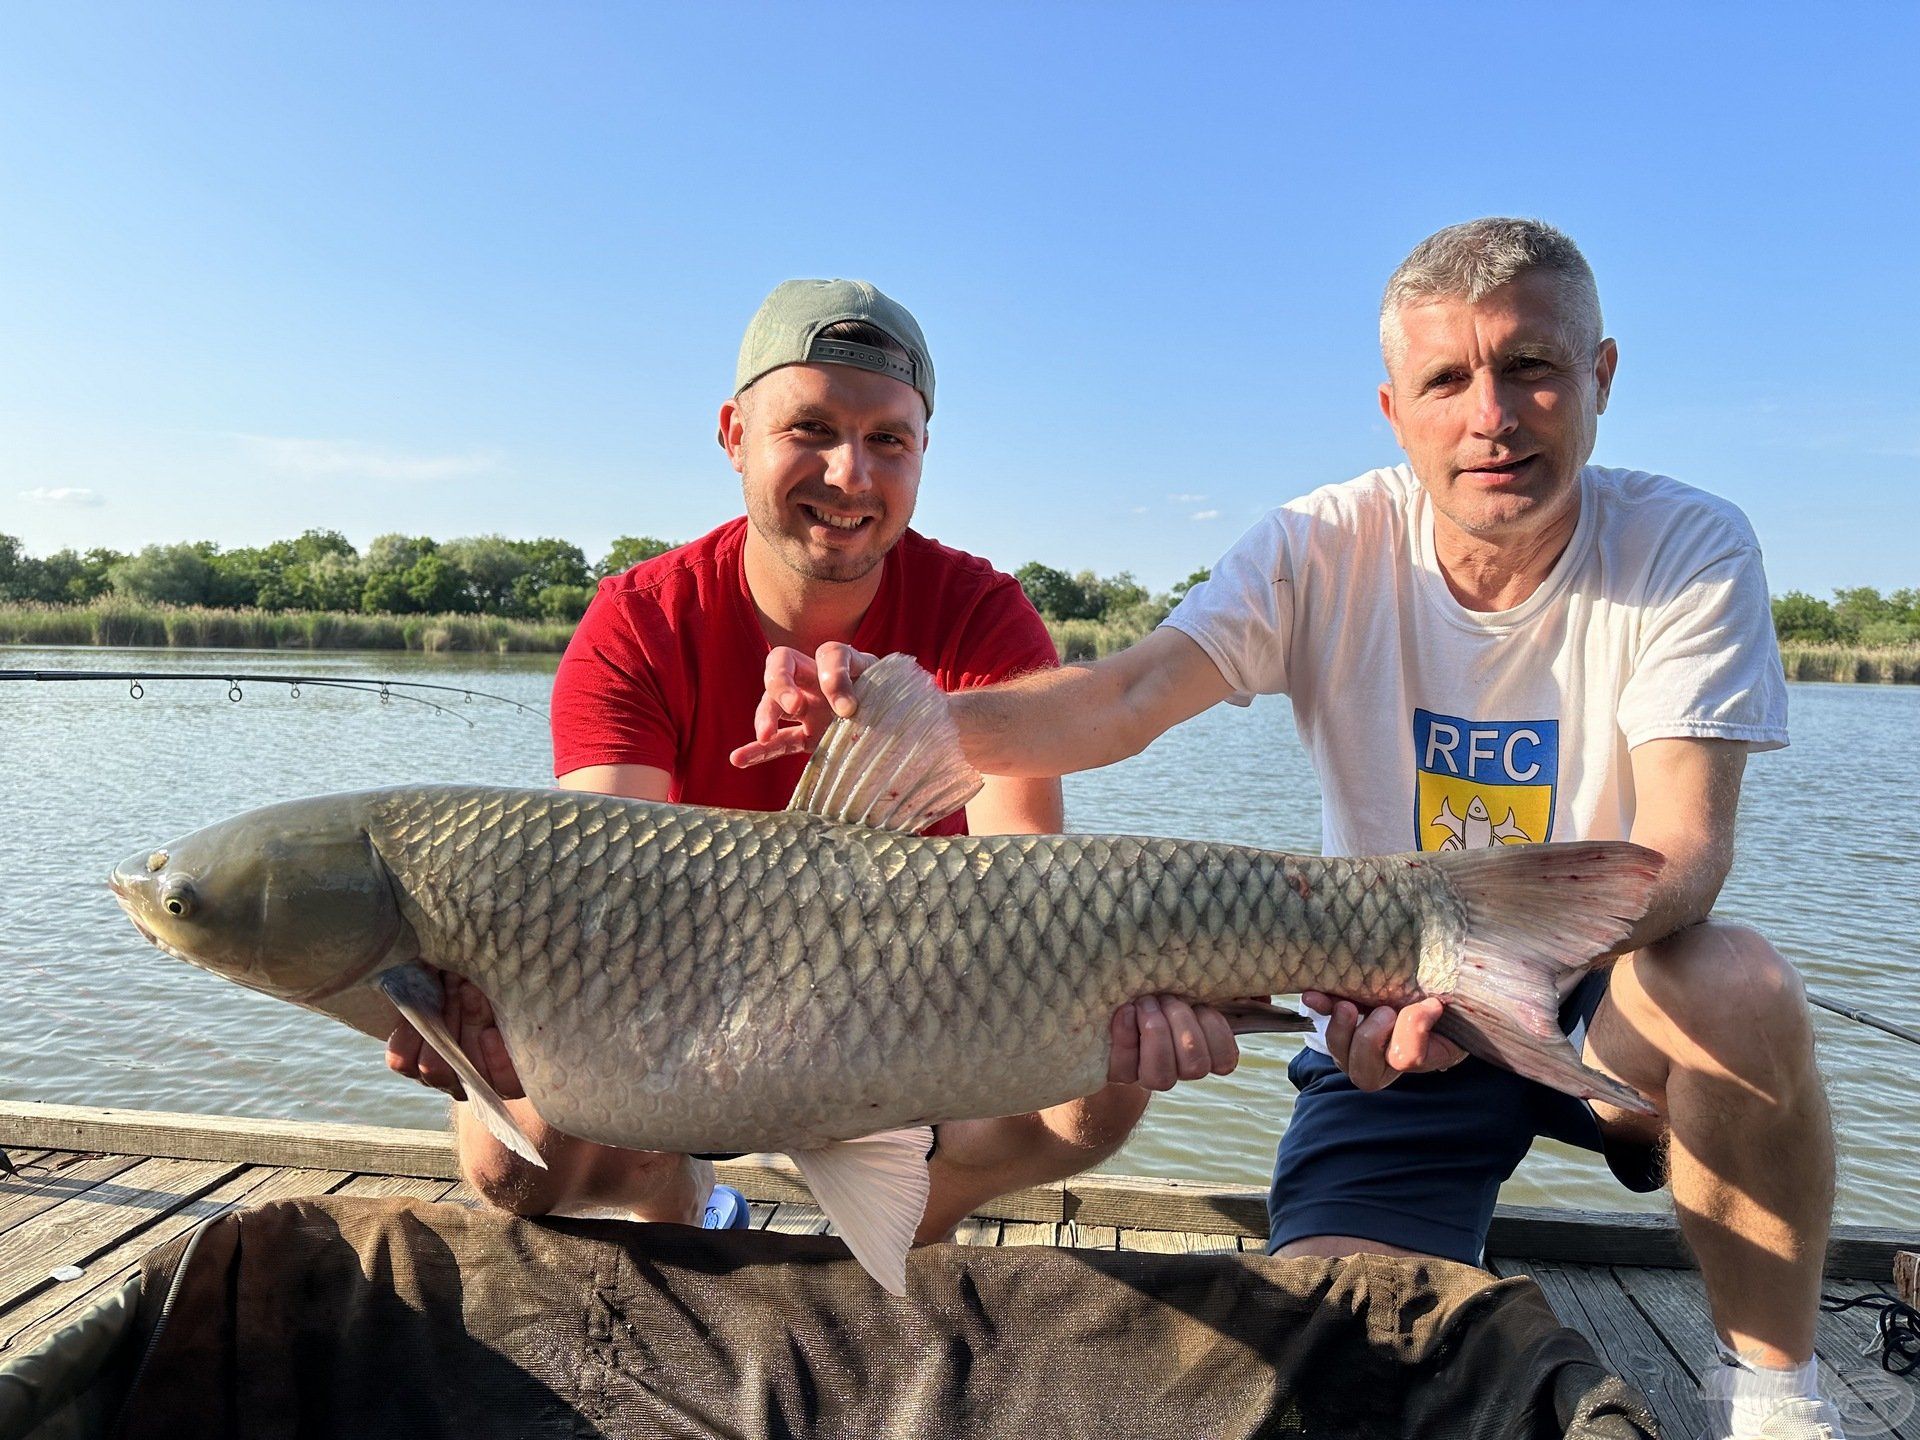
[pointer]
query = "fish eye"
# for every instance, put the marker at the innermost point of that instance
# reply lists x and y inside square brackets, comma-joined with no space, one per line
[177,899]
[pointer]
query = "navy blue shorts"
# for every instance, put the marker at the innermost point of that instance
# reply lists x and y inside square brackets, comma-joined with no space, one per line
[1420,1163]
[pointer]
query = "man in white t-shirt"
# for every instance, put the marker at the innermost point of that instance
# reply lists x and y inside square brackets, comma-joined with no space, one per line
[1497,643]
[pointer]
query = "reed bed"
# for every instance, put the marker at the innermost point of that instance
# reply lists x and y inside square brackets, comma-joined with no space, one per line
[1093,639]
[114,621]
[1853,664]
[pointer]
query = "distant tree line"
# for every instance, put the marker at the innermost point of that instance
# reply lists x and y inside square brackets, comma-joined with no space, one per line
[1860,616]
[1111,600]
[541,579]
[550,579]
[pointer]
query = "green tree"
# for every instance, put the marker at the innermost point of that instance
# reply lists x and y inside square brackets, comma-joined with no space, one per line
[329,581]
[563,602]
[551,564]
[67,577]
[491,564]
[1799,617]
[166,574]
[434,585]
[1054,593]
[1112,594]
[1857,610]
[629,551]
[15,580]
[385,593]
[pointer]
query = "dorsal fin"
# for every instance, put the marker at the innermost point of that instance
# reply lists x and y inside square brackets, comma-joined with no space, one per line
[896,763]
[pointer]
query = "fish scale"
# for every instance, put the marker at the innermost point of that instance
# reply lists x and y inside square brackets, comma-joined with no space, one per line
[871,963]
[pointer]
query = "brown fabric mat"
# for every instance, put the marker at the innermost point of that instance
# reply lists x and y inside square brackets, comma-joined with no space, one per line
[367,1318]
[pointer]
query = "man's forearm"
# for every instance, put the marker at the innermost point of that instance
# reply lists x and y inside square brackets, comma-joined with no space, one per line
[1682,896]
[1080,717]
[1051,723]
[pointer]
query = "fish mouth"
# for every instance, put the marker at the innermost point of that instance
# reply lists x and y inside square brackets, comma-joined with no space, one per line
[130,903]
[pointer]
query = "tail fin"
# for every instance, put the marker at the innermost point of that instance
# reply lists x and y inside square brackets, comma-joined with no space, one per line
[1537,917]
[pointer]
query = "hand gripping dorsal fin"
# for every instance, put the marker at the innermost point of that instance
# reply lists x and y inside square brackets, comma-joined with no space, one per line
[896,763]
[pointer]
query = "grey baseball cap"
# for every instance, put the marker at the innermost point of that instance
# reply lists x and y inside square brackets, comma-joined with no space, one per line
[786,331]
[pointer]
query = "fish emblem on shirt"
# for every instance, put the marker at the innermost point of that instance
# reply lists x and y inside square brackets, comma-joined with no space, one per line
[1480,783]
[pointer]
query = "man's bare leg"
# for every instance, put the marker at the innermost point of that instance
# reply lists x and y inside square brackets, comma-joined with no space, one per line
[1712,1024]
[580,1176]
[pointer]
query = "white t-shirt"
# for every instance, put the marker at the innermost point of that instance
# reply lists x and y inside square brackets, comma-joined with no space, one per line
[1433,726]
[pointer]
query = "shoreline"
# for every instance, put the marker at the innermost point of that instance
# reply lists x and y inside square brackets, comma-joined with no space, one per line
[124,624]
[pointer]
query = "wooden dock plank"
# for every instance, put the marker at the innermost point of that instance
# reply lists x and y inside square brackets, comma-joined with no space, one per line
[1125,1202]
[34,1192]
[975,1230]
[1178,1242]
[1079,1236]
[1589,1299]
[1029,1232]
[760,1213]
[371,1148]
[100,1216]
[29,1318]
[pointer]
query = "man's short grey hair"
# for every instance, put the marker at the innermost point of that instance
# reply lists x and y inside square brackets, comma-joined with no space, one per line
[1468,261]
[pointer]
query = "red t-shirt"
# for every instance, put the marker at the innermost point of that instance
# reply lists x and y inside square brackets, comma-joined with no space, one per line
[666,668]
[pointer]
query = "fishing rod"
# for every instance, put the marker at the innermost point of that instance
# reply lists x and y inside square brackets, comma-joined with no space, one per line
[1898,1031]
[385,688]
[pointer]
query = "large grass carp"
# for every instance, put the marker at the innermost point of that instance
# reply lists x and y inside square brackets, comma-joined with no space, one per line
[826,982]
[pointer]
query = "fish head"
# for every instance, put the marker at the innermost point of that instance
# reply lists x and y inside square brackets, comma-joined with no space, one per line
[292,900]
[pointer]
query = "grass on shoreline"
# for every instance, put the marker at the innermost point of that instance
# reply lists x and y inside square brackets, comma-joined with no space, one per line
[115,622]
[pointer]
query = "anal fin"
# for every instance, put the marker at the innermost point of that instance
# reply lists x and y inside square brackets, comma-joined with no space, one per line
[417,995]
[874,1190]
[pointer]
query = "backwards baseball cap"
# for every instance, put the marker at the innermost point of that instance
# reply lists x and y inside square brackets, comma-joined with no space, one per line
[786,331]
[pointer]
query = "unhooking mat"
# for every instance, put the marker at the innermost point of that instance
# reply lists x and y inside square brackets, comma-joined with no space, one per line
[366,1318]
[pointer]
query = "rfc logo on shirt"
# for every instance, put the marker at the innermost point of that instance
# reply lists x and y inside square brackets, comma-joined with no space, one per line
[1483,782]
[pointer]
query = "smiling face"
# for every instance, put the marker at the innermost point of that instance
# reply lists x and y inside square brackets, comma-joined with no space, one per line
[1496,403]
[829,458]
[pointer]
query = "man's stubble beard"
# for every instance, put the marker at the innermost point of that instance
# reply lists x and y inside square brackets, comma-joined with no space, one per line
[795,555]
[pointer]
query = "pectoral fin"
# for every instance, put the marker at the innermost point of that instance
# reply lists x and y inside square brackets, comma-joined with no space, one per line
[874,1190]
[897,763]
[417,995]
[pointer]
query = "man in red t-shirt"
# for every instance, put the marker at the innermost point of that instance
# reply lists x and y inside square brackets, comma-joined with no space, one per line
[826,427]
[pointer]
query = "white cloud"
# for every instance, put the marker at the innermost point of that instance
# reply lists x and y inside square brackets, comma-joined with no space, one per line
[61,495]
[1185,499]
[351,457]
[1205,515]
[1139,509]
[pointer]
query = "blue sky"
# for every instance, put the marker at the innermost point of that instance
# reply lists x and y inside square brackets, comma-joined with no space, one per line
[466,268]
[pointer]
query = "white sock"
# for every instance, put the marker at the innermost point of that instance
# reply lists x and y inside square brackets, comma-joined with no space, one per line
[1752,1391]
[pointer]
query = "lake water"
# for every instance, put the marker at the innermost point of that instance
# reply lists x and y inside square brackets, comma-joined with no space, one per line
[1829,835]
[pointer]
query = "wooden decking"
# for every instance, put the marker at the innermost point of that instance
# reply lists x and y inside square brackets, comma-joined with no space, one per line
[94,1190]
